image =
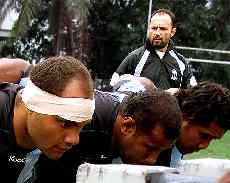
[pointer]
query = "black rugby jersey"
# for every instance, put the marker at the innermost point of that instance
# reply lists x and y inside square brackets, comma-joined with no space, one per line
[172,71]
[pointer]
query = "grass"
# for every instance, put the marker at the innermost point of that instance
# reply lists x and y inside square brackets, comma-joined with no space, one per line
[217,149]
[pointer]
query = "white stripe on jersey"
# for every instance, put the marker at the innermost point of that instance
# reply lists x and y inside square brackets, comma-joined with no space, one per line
[180,63]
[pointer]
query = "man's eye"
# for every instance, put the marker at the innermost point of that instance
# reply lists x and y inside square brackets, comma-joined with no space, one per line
[204,136]
[67,124]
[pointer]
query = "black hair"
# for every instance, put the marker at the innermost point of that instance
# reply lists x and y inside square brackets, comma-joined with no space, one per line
[149,109]
[166,11]
[206,103]
[53,74]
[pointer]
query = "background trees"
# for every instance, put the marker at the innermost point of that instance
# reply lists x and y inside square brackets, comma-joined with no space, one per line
[116,27]
[45,25]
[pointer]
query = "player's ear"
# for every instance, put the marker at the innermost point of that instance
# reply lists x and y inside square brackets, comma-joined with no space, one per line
[128,125]
[173,32]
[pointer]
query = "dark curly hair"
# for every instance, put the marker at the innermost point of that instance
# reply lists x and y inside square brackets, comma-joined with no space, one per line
[205,103]
[53,74]
[149,109]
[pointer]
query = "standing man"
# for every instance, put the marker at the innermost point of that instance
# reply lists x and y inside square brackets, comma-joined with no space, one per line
[157,59]
[47,114]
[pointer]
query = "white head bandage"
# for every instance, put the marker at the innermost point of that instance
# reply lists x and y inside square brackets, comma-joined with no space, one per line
[73,109]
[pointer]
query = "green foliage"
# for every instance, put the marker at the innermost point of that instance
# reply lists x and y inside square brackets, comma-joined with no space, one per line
[60,15]
[81,5]
[32,43]
[37,43]
[116,28]
[29,9]
[6,5]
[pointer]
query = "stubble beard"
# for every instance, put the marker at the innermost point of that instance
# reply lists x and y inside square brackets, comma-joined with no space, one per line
[159,46]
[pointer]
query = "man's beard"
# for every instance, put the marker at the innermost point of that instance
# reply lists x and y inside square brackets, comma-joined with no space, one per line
[159,46]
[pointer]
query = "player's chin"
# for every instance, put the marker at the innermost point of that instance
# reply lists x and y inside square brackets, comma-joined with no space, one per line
[55,153]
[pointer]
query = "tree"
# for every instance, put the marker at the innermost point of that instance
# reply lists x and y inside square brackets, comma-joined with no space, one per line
[116,27]
[61,15]
[38,41]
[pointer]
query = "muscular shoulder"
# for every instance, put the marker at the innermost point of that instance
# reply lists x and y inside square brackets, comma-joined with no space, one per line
[105,99]
[105,113]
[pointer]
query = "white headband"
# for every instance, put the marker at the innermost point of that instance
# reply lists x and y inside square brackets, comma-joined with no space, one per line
[73,109]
